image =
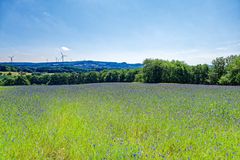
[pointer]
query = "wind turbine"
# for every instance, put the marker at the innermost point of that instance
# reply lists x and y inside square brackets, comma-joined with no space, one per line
[62,55]
[11,58]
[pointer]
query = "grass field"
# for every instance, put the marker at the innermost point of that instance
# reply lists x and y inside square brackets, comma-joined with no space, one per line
[11,74]
[14,73]
[120,121]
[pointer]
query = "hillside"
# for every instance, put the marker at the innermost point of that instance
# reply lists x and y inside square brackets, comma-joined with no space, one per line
[75,66]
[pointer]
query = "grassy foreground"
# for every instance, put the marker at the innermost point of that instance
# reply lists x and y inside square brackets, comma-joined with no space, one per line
[120,121]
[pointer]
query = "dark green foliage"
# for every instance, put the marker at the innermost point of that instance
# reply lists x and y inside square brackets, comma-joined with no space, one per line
[7,68]
[8,81]
[62,69]
[110,76]
[223,71]
[218,70]
[39,79]
[200,74]
[152,71]
[121,75]
[18,80]
[130,75]
[21,80]
[139,77]
[156,71]
[233,72]
[181,72]
[59,79]
[74,78]
[91,77]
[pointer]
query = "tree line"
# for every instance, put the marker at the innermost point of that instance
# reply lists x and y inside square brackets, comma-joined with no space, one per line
[72,78]
[223,71]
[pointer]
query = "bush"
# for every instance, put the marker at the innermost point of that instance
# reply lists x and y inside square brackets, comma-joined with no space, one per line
[138,77]
[8,81]
[22,80]
[58,79]
[224,80]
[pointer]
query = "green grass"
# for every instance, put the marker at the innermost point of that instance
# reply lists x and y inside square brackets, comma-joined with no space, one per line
[6,74]
[120,121]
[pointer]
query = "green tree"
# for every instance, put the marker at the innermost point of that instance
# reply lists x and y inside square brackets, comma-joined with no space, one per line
[111,76]
[200,73]
[58,79]
[139,77]
[21,80]
[181,72]
[152,71]
[8,81]
[91,77]
[122,75]
[233,70]
[218,70]
[130,75]
[73,78]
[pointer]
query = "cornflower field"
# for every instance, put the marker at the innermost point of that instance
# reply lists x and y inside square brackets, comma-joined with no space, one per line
[120,121]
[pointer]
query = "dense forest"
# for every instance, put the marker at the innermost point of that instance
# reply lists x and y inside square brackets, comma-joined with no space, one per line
[222,71]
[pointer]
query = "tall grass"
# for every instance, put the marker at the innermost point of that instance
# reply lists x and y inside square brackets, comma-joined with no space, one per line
[120,121]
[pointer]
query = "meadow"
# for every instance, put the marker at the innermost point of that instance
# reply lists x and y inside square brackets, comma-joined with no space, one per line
[120,121]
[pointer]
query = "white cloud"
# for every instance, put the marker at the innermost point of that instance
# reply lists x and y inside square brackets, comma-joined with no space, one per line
[187,51]
[65,48]
[222,48]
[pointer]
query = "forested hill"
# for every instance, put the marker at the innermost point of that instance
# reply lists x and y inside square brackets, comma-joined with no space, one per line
[75,65]
[80,64]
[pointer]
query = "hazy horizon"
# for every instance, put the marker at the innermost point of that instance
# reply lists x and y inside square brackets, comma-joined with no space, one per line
[69,61]
[195,32]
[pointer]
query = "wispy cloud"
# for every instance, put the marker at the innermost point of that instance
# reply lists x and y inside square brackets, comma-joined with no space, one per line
[222,48]
[65,48]
[229,46]
[187,51]
[46,14]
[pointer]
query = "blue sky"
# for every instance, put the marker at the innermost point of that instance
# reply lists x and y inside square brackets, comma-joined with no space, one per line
[195,31]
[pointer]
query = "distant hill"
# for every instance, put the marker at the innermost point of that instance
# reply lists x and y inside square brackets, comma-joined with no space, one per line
[74,66]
